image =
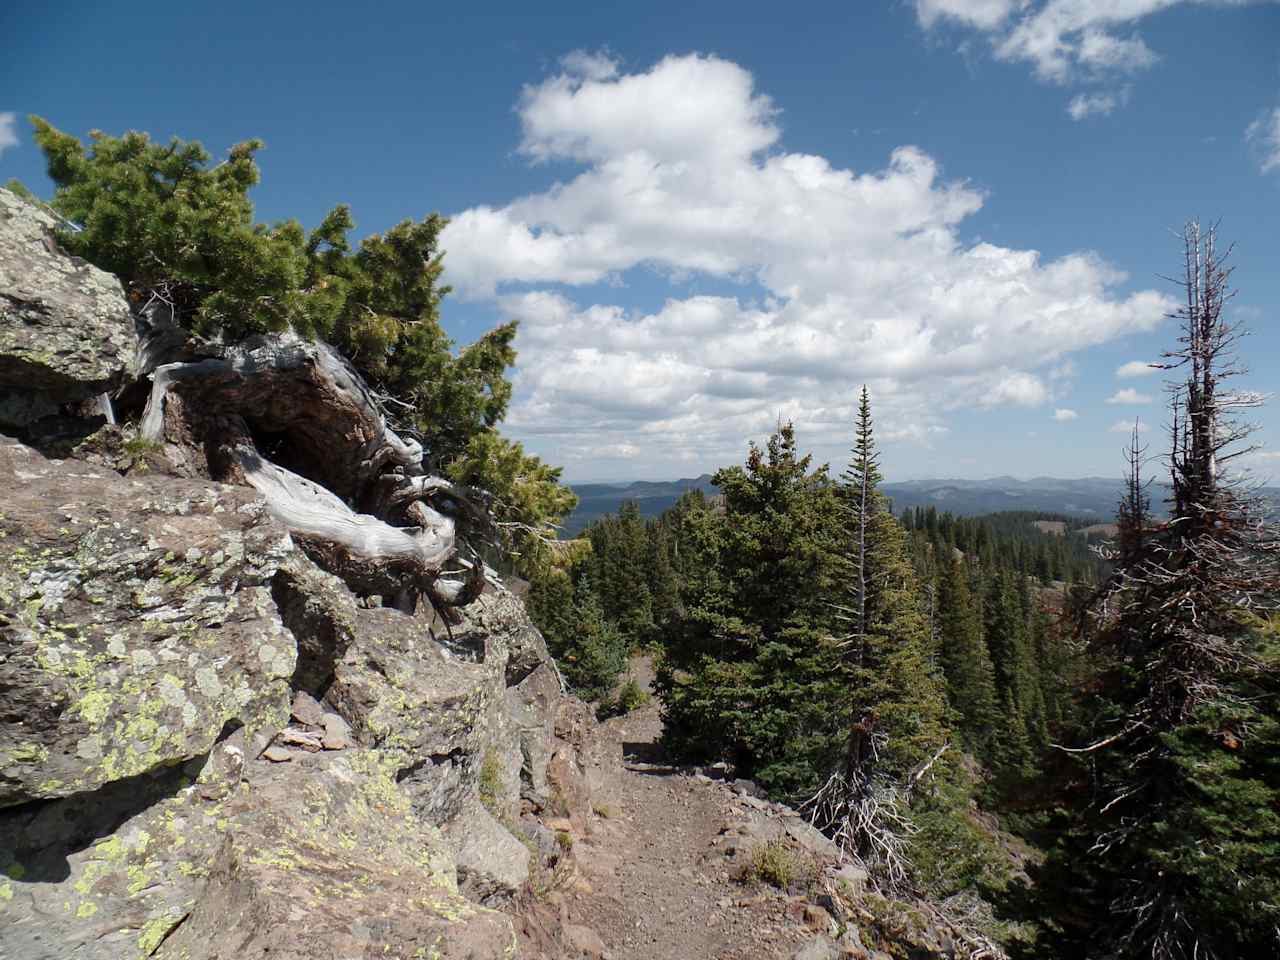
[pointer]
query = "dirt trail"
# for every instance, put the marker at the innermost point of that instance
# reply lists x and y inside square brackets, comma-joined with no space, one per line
[654,880]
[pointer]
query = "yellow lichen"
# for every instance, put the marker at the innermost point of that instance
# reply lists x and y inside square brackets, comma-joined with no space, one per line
[154,931]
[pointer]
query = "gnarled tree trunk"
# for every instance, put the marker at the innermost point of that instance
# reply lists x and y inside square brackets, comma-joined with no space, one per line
[293,420]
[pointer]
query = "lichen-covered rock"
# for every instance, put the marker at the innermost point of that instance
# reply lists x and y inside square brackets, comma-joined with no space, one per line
[317,858]
[321,613]
[431,697]
[105,874]
[66,331]
[136,623]
[492,864]
[324,858]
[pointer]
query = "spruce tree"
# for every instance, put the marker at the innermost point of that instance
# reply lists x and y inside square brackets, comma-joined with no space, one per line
[620,571]
[890,703]
[1021,733]
[751,682]
[966,664]
[1183,834]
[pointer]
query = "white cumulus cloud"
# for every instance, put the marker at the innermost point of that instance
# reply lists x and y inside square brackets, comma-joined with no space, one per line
[836,277]
[1127,426]
[1264,135]
[1063,415]
[8,131]
[1064,41]
[1136,368]
[1129,397]
[983,14]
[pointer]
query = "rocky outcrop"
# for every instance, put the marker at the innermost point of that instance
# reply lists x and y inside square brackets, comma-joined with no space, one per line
[137,623]
[66,332]
[213,742]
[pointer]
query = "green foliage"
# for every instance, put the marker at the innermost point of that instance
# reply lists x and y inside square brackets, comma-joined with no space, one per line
[1008,540]
[1022,733]
[776,864]
[589,649]
[172,227]
[16,186]
[750,678]
[164,223]
[966,664]
[180,232]
[620,571]
[489,783]
[1172,845]
[952,852]
[527,497]
[630,697]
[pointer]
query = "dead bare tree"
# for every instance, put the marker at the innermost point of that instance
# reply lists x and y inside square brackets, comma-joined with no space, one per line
[1172,617]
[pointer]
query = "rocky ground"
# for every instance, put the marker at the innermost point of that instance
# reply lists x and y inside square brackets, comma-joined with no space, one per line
[664,871]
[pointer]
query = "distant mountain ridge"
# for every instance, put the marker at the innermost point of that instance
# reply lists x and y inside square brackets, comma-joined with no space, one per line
[1087,497]
[653,497]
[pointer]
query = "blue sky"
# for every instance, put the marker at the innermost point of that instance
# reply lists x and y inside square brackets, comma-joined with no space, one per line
[710,217]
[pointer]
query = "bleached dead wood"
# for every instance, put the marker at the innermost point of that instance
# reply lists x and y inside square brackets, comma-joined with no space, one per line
[350,490]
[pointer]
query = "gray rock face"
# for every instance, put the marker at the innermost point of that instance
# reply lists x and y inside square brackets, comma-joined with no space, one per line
[321,857]
[531,706]
[66,331]
[431,698]
[327,860]
[136,622]
[210,747]
[492,864]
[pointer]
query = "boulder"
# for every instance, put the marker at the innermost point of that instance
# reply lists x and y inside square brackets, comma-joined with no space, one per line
[105,874]
[136,623]
[820,947]
[584,942]
[321,857]
[531,707]
[66,331]
[321,612]
[431,697]
[492,864]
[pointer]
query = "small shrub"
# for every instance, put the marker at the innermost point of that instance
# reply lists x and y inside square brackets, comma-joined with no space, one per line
[489,784]
[776,864]
[632,696]
[138,447]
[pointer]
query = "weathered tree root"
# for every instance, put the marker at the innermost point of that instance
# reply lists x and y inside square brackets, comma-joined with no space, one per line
[319,413]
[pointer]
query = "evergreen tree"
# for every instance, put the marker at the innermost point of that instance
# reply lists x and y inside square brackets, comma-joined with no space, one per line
[620,571]
[751,681]
[664,584]
[890,704]
[1021,732]
[1183,834]
[589,649]
[971,686]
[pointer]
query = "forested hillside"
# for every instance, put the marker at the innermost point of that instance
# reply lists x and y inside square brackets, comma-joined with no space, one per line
[938,692]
